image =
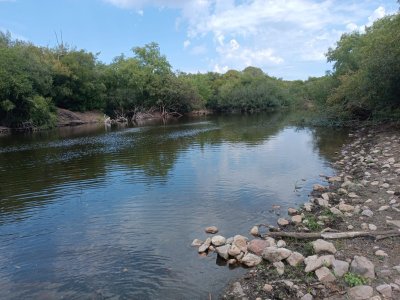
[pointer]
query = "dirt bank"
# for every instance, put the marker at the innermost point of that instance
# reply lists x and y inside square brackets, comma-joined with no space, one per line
[69,118]
[363,198]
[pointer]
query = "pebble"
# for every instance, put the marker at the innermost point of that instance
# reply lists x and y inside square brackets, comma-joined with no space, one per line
[325,275]
[381,253]
[218,240]
[281,244]
[372,227]
[197,243]
[297,219]
[267,288]
[360,292]
[385,290]
[280,267]
[283,222]
[367,213]
[211,229]
[350,227]
[254,231]
[384,207]
[295,259]
[323,246]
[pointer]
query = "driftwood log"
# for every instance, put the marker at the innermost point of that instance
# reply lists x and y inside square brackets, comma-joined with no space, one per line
[335,235]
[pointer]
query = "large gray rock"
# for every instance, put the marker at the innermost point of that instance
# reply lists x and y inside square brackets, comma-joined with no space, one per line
[323,246]
[257,246]
[361,292]
[340,267]
[273,254]
[385,290]
[325,275]
[314,262]
[363,266]
[205,245]
[223,251]
[218,240]
[251,260]
[295,259]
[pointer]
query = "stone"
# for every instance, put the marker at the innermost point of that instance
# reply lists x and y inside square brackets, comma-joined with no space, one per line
[323,202]
[283,222]
[384,207]
[281,244]
[267,288]
[323,246]
[363,266]
[308,206]
[280,267]
[223,251]
[273,254]
[325,196]
[257,246]
[211,229]
[218,240]
[372,227]
[335,211]
[237,290]
[197,243]
[350,227]
[345,207]
[240,241]
[314,262]
[297,219]
[397,268]
[205,245]
[381,253]
[385,290]
[229,240]
[292,211]
[360,292]
[342,191]
[307,297]
[234,251]
[335,179]
[393,222]
[374,183]
[367,213]
[353,195]
[364,226]
[319,188]
[295,259]
[325,275]
[340,267]
[251,260]
[254,231]
[232,261]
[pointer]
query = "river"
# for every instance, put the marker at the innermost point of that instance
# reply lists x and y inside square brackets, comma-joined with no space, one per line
[93,212]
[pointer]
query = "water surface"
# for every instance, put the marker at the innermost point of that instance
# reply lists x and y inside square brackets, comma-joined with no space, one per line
[100,213]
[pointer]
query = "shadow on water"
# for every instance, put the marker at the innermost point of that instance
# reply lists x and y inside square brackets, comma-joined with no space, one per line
[98,212]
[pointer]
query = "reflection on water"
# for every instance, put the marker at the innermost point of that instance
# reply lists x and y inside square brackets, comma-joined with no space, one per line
[94,212]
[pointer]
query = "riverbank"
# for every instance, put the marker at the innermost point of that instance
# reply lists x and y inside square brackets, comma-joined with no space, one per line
[363,199]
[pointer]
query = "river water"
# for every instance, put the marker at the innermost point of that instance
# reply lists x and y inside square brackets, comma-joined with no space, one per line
[105,213]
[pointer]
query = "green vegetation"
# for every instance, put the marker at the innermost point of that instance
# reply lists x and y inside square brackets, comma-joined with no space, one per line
[353,279]
[35,80]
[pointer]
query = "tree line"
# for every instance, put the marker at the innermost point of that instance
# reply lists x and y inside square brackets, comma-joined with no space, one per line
[35,80]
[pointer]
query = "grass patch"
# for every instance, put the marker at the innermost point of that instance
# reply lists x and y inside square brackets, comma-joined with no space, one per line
[353,279]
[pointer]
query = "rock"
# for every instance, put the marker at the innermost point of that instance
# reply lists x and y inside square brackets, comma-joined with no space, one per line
[397,268]
[325,196]
[345,207]
[372,227]
[308,206]
[350,227]
[254,231]
[211,229]
[232,261]
[218,240]
[384,207]
[340,267]
[381,253]
[297,219]
[295,259]
[367,213]
[251,260]
[223,251]
[364,226]
[393,222]
[267,288]
[292,211]
[237,290]
[273,254]
[314,262]
[283,222]
[325,275]
[257,246]
[240,241]
[234,251]
[363,266]
[385,290]
[353,195]
[281,244]
[360,292]
[307,297]
[319,188]
[342,191]
[229,240]
[323,202]
[205,245]
[374,183]
[335,179]
[323,246]
[335,211]
[280,267]
[197,243]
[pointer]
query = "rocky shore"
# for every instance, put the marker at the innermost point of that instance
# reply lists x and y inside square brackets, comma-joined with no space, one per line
[344,243]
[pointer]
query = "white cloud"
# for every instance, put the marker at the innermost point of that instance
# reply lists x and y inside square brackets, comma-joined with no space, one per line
[271,32]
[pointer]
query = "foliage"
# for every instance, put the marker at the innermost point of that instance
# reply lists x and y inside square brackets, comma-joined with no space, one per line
[353,279]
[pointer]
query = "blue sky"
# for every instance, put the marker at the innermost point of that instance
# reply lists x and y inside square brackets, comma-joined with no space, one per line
[286,38]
